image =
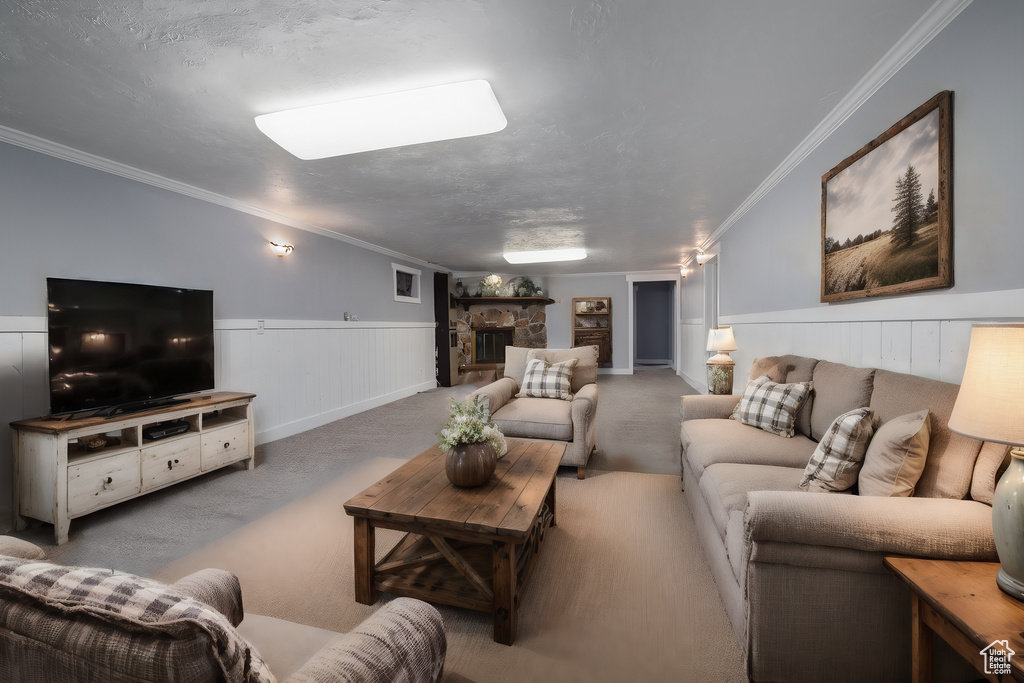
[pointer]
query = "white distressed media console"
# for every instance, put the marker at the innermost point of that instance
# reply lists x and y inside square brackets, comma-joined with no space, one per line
[58,478]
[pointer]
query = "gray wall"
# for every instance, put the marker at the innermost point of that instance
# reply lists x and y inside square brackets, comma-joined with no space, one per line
[653,313]
[65,220]
[980,57]
[563,288]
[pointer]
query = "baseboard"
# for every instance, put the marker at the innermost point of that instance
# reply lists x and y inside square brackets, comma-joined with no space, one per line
[652,361]
[699,385]
[614,371]
[307,423]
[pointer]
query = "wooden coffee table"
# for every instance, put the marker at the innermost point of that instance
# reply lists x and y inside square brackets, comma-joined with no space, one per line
[472,548]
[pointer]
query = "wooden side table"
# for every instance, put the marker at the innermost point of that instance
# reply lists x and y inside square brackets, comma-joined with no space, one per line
[961,602]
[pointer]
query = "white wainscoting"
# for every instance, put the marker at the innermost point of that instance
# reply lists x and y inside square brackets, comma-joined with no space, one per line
[308,373]
[936,349]
[304,373]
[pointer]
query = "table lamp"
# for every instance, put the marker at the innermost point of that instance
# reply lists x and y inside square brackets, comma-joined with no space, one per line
[720,366]
[990,407]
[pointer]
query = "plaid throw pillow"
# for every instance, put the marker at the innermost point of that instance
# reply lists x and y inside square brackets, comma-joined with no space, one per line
[771,406]
[548,380]
[836,461]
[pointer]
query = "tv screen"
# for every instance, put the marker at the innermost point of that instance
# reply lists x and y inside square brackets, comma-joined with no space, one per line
[116,344]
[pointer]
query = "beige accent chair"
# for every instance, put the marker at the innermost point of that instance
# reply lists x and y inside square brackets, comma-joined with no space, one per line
[548,419]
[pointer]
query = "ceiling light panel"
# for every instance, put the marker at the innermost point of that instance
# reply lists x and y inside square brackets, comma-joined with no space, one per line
[443,112]
[545,256]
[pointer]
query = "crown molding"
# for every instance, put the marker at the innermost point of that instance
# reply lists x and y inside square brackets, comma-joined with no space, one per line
[920,34]
[75,156]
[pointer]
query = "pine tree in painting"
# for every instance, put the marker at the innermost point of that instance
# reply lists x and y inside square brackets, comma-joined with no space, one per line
[931,207]
[908,207]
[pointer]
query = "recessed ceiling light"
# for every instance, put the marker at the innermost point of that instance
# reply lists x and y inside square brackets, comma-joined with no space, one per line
[545,256]
[443,112]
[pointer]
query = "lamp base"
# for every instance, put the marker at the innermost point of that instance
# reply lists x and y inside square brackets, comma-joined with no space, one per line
[1010,585]
[720,378]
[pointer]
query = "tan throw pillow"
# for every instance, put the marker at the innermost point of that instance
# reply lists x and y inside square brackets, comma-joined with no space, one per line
[548,380]
[991,464]
[896,456]
[771,406]
[837,459]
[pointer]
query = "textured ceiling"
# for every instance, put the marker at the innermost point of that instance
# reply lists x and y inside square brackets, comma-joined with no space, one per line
[636,127]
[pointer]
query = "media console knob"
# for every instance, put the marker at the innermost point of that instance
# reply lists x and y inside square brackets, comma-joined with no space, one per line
[227,444]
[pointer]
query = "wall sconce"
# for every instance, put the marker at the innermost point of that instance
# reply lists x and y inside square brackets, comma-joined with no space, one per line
[703,258]
[281,249]
[683,271]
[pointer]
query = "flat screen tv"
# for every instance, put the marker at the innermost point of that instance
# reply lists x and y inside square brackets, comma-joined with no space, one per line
[122,347]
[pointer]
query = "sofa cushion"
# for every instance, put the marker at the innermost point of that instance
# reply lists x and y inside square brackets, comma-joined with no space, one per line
[725,487]
[896,456]
[992,461]
[951,457]
[707,442]
[790,368]
[133,605]
[548,380]
[515,363]
[838,389]
[586,368]
[771,406]
[838,456]
[535,418]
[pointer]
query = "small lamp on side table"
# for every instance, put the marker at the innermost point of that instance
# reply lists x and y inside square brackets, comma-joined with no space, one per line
[720,366]
[990,407]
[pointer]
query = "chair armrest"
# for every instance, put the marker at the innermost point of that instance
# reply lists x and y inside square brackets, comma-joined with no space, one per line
[15,547]
[217,588]
[936,528]
[404,641]
[712,406]
[584,407]
[499,393]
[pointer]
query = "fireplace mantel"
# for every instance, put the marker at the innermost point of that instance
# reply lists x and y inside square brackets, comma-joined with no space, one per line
[524,301]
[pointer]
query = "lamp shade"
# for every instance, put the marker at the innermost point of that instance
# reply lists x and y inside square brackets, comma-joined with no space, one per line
[990,405]
[721,339]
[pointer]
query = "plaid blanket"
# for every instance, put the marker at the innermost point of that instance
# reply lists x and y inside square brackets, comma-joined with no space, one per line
[141,603]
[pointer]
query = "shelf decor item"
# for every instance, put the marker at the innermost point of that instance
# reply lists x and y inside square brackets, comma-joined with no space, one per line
[721,365]
[490,285]
[990,407]
[473,443]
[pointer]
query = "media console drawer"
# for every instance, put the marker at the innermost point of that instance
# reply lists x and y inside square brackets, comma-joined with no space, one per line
[225,445]
[100,483]
[166,463]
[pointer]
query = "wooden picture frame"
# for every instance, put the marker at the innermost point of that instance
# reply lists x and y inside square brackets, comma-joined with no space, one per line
[880,236]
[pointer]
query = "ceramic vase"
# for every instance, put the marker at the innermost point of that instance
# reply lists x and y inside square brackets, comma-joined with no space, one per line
[470,464]
[1008,526]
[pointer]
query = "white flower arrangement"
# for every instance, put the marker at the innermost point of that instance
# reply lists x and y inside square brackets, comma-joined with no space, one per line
[470,422]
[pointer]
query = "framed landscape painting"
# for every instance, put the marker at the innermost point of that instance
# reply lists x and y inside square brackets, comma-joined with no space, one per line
[887,210]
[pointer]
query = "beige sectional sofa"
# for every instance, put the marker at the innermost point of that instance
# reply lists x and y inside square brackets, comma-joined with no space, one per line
[46,637]
[801,573]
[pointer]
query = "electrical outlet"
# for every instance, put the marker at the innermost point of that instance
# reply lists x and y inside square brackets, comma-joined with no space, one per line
[261,326]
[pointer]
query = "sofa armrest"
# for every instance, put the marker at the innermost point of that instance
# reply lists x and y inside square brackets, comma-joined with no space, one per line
[936,528]
[15,547]
[499,393]
[404,641]
[217,588]
[702,407]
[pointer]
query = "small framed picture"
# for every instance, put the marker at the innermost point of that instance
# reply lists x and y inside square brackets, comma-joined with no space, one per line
[406,283]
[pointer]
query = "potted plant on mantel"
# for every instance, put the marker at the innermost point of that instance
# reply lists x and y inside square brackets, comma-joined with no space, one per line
[473,443]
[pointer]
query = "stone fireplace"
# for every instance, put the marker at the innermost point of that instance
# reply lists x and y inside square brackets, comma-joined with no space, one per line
[485,329]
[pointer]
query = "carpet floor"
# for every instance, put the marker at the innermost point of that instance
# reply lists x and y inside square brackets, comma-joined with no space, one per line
[621,590]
